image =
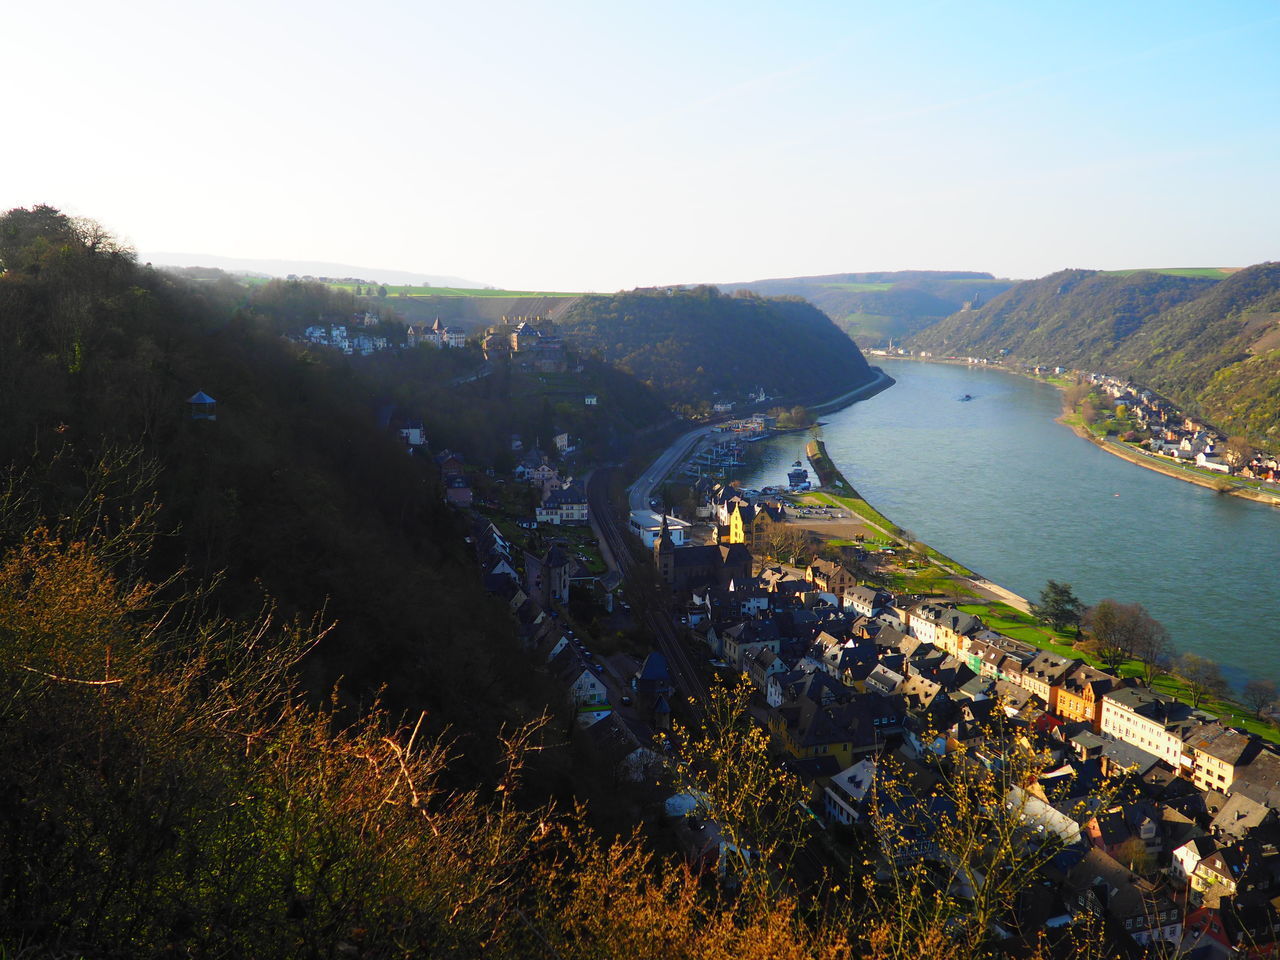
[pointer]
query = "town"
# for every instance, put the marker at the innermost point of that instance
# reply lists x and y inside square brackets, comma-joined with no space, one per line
[1156,818]
[1152,816]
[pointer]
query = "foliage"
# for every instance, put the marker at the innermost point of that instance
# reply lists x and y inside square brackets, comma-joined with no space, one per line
[690,344]
[1208,343]
[874,308]
[1058,606]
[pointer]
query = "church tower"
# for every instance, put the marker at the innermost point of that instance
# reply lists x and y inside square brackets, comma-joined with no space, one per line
[664,554]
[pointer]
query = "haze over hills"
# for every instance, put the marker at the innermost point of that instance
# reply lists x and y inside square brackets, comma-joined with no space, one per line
[302,268]
[1208,339]
[879,306]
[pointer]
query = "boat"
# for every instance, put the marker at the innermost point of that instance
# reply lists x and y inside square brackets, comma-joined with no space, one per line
[965,397]
[798,478]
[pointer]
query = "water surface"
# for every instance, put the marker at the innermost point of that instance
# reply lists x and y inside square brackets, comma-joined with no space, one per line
[998,485]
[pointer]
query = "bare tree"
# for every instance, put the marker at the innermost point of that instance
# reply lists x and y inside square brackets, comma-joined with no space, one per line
[1238,451]
[1202,676]
[1149,643]
[1105,623]
[1125,631]
[785,542]
[1260,694]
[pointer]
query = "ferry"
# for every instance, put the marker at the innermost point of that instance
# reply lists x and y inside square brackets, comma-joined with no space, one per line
[798,477]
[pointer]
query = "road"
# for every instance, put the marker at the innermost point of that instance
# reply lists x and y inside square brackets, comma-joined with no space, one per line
[640,492]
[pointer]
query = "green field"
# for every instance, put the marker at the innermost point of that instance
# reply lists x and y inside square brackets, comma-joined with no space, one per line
[418,291]
[867,287]
[1216,273]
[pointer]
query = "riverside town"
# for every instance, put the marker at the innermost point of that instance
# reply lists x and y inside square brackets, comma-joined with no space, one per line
[709,482]
[1148,811]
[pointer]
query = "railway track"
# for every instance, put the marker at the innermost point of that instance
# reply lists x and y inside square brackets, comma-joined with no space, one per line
[653,612]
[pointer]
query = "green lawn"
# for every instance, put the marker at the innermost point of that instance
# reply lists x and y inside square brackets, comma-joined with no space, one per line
[1014,623]
[867,287]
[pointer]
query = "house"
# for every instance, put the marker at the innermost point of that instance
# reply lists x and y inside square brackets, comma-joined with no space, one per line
[1217,752]
[547,576]
[1187,857]
[755,524]
[762,665]
[564,505]
[1045,674]
[1148,720]
[450,464]
[741,639]
[845,796]
[648,526]
[457,491]
[1100,886]
[866,600]
[994,655]
[1080,695]
[830,576]
[653,679]
[413,434]
[944,626]
[579,677]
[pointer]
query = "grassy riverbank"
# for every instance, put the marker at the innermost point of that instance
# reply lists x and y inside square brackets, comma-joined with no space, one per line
[973,598]
[848,498]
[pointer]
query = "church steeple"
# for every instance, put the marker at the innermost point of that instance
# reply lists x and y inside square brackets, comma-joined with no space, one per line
[664,553]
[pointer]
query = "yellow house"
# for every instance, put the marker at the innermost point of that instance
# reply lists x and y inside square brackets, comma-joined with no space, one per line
[1080,695]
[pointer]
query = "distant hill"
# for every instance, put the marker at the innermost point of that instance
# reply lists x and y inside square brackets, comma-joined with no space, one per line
[301,268]
[877,307]
[1209,340]
[690,344]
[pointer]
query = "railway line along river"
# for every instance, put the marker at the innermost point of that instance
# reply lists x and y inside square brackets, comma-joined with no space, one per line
[995,483]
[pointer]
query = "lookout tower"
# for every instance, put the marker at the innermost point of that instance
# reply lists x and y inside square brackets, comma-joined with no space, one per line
[202,406]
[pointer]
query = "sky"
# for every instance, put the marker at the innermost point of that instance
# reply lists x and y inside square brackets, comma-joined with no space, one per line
[601,146]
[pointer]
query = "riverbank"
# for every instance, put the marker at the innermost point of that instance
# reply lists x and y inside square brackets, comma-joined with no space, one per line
[881,383]
[1218,484]
[1005,611]
[840,491]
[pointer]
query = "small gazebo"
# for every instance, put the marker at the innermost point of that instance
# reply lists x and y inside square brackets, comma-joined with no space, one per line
[202,406]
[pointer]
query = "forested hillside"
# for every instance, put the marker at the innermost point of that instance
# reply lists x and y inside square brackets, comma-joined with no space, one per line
[1210,345]
[691,344]
[875,308]
[295,495]
[179,595]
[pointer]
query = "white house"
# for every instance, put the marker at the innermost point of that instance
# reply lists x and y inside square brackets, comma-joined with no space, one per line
[647,525]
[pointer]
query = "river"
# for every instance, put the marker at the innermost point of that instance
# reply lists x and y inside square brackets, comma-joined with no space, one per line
[998,485]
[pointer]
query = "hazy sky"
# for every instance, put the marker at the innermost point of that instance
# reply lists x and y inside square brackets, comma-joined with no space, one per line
[588,146]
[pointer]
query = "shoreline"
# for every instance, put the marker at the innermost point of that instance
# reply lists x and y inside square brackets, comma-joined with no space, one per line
[1169,470]
[836,484]
[1116,450]
[881,383]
